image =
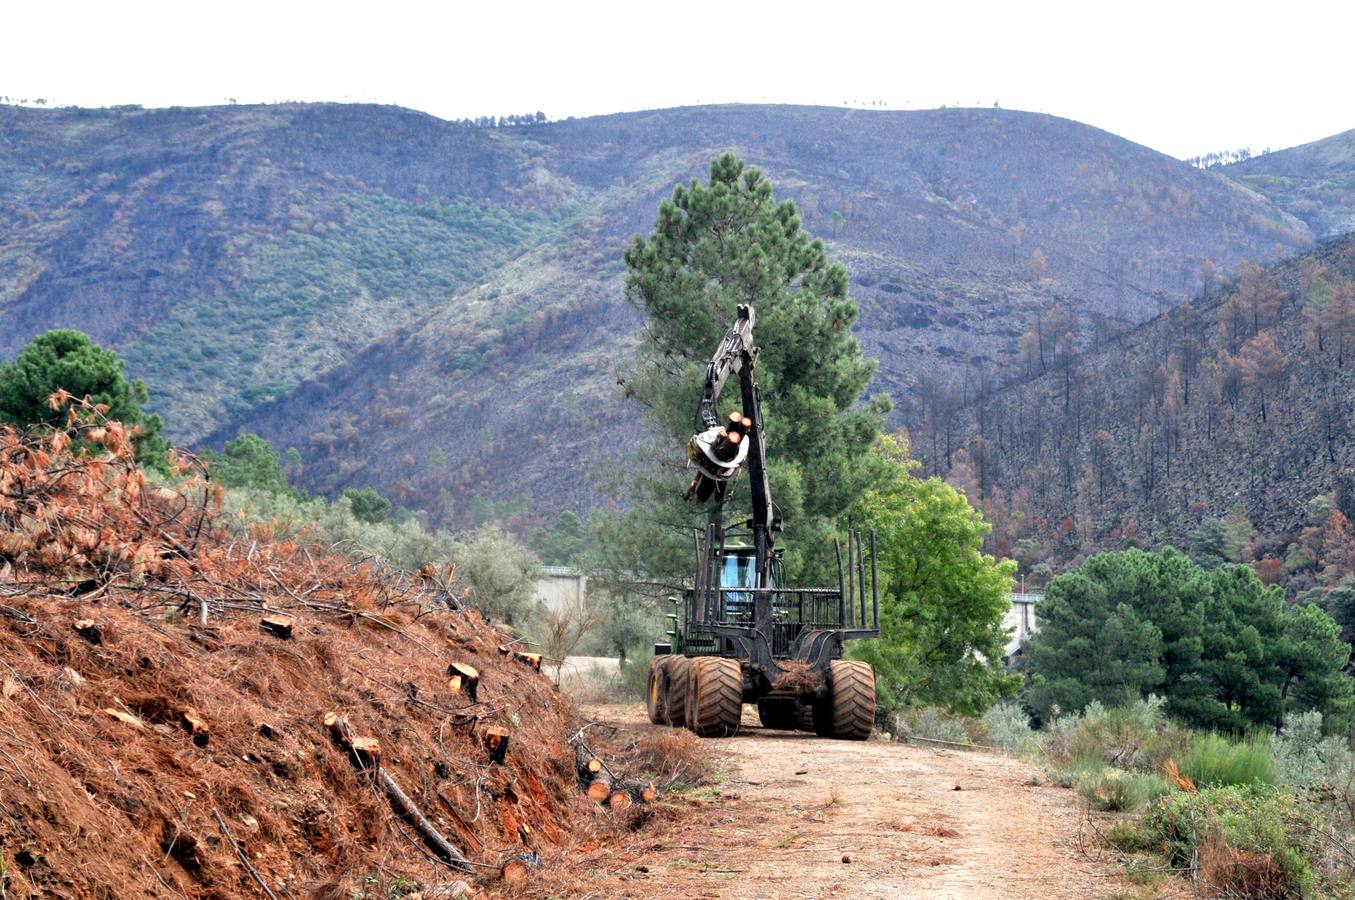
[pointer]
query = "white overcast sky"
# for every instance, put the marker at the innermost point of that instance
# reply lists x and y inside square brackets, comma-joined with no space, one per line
[1182,77]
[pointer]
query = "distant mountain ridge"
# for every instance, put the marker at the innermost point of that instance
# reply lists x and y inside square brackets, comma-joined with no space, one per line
[1315,182]
[1238,405]
[434,310]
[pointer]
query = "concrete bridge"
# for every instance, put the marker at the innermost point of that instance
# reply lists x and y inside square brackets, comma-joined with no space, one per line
[1020,619]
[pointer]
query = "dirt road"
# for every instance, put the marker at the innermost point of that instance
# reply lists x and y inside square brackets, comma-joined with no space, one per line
[801,816]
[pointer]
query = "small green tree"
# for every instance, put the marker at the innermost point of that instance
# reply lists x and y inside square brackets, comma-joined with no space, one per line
[943,603]
[69,360]
[1209,544]
[564,542]
[501,571]
[368,505]
[248,461]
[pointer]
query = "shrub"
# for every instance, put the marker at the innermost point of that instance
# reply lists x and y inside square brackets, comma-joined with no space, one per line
[1135,737]
[1116,790]
[1009,728]
[1246,841]
[1077,770]
[1321,767]
[1130,836]
[936,724]
[1215,761]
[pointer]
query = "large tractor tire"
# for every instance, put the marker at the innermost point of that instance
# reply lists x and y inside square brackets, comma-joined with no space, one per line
[674,689]
[849,711]
[715,698]
[804,717]
[656,690]
[782,713]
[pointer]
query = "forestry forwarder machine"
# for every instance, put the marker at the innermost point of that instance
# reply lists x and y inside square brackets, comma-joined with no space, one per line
[743,636]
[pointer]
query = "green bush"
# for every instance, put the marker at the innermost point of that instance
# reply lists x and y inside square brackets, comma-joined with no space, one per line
[1136,737]
[932,722]
[1131,836]
[1077,770]
[1215,761]
[1009,728]
[1116,790]
[1200,829]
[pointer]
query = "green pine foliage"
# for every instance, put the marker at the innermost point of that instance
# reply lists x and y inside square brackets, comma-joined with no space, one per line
[248,461]
[715,246]
[68,360]
[368,505]
[1222,648]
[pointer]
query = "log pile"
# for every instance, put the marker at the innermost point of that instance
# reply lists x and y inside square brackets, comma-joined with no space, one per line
[603,785]
[725,447]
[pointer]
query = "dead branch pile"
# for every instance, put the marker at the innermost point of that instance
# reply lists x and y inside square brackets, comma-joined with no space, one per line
[187,713]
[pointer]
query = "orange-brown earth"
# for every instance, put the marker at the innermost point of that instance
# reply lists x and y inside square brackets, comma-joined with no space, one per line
[797,816]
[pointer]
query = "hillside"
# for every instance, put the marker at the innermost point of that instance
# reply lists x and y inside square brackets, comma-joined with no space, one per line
[427,308]
[1314,182]
[1235,407]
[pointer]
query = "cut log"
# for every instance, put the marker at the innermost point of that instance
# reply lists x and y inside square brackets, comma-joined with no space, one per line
[515,872]
[531,659]
[465,680]
[600,789]
[619,800]
[400,801]
[495,741]
[637,791]
[195,725]
[277,625]
[89,630]
[584,761]
[432,838]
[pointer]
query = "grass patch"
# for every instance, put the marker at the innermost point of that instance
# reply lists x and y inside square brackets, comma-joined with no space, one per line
[1115,790]
[1215,761]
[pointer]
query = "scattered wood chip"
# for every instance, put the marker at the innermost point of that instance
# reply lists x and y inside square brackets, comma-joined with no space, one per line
[125,717]
[89,630]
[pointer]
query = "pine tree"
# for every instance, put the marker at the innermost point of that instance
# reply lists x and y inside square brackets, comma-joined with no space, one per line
[715,246]
[69,360]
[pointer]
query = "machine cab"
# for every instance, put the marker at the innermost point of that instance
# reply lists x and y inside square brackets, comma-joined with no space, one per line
[737,565]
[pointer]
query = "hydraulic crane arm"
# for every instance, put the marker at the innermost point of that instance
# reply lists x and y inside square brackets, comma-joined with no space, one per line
[736,354]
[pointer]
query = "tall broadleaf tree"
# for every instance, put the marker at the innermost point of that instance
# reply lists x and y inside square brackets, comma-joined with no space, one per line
[715,246]
[943,600]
